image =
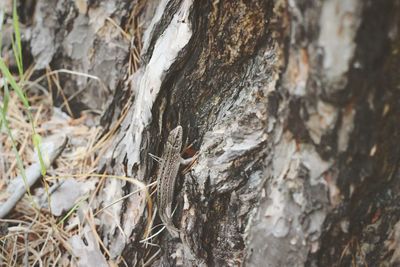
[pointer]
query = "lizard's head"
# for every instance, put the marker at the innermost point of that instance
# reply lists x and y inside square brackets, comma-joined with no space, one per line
[175,137]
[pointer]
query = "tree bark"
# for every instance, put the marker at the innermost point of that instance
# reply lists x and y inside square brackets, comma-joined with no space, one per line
[291,105]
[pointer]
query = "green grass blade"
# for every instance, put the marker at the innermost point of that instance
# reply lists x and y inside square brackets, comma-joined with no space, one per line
[1,27]
[20,165]
[17,34]
[13,83]
[15,53]
[22,97]
[37,140]
[6,99]
[17,50]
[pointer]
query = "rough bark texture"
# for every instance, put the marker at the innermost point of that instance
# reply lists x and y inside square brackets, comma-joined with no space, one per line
[292,105]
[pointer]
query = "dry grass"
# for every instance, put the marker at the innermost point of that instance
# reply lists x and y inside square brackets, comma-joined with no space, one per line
[33,237]
[37,237]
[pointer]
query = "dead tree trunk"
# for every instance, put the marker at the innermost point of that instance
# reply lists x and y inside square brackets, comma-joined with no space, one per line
[292,106]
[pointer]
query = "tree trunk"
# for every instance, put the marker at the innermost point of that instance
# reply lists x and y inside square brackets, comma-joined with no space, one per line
[291,105]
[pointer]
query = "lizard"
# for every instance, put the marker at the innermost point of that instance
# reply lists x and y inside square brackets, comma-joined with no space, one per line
[166,177]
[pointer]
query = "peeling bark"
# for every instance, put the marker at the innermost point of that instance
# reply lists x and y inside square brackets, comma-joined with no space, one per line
[292,106]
